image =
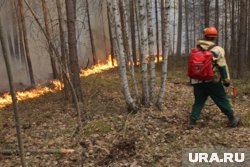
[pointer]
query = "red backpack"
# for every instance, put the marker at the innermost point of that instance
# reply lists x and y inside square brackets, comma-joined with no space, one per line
[200,64]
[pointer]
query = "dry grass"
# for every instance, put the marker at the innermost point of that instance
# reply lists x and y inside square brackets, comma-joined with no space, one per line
[156,138]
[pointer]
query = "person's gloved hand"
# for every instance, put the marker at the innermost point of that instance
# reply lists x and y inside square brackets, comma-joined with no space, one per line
[226,83]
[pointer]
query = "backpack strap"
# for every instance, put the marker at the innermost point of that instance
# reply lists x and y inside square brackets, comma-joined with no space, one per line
[214,54]
[210,47]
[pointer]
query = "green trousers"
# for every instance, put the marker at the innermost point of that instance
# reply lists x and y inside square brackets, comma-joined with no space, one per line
[217,92]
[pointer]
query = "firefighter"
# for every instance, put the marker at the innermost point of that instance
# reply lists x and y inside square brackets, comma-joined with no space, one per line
[214,87]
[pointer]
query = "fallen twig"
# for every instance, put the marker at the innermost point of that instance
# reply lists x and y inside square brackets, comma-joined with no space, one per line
[9,152]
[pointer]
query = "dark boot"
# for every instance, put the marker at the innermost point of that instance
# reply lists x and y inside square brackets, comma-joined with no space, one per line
[234,122]
[192,123]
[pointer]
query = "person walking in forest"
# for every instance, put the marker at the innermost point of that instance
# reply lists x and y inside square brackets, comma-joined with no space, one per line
[208,72]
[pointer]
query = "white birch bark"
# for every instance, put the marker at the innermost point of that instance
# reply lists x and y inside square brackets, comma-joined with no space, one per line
[144,50]
[112,30]
[119,49]
[129,48]
[165,34]
[151,50]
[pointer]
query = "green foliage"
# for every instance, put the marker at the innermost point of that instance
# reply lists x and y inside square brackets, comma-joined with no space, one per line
[97,127]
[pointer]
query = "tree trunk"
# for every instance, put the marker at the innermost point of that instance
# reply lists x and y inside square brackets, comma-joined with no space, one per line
[92,43]
[20,31]
[132,21]
[64,57]
[144,51]
[248,53]
[217,17]
[15,34]
[9,152]
[138,28]
[233,38]
[242,40]
[194,23]
[124,36]
[206,12]
[179,38]
[45,16]
[13,96]
[226,28]
[151,50]
[72,43]
[127,45]
[174,29]
[10,45]
[165,34]
[187,27]
[157,31]
[119,47]
[111,37]
[103,29]
[113,29]
[57,57]
[26,43]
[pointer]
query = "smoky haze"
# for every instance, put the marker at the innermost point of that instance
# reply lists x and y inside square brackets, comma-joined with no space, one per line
[99,25]
[38,45]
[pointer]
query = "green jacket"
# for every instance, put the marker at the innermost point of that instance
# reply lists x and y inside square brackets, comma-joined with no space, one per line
[220,67]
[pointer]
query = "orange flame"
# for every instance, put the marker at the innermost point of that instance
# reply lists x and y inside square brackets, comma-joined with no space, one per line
[6,99]
[55,86]
[99,67]
[148,58]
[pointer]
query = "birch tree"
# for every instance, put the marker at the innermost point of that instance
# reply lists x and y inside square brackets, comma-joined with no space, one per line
[113,30]
[119,48]
[157,31]
[138,28]
[132,21]
[124,36]
[128,46]
[165,7]
[174,28]
[144,51]
[151,49]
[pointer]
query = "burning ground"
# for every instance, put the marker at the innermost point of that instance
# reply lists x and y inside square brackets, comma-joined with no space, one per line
[111,136]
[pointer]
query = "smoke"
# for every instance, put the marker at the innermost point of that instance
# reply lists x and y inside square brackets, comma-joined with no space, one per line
[38,45]
[9,22]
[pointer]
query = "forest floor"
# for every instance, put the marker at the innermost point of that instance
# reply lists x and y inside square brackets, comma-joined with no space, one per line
[113,137]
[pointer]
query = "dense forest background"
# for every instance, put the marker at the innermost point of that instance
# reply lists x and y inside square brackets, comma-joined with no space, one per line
[187,19]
